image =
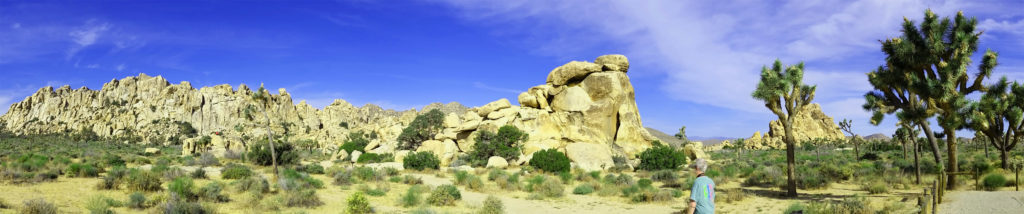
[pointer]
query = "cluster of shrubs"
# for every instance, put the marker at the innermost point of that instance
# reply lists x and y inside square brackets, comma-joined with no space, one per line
[260,154]
[550,160]
[660,157]
[503,144]
[355,142]
[421,161]
[422,128]
[375,158]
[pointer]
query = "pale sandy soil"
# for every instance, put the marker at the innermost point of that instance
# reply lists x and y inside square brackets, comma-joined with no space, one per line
[71,194]
[1006,201]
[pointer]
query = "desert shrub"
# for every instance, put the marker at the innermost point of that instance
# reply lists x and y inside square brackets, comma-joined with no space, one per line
[98,205]
[475,183]
[199,173]
[981,166]
[993,181]
[367,174]
[583,189]
[622,179]
[661,157]
[313,168]
[508,182]
[652,195]
[173,173]
[422,128]
[38,206]
[235,171]
[341,177]
[731,195]
[765,177]
[212,192]
[107,183]
[253,184]
[566,177]
[609,190]
[422,160]
[492,205]
[137,200]
[139,180]
[302,180]
[495,173]
[379,190]
[550,188]
[836,173]
[630,190]
[666,176]
[355,142]
[869,156]
[302,198]
[207,160]
[460,177]
[112,160]
[82,170]
[795,208]
[411,197]
[375,158]
[550,160]
[176,205]
[644,183]
[875,187]
[411,180]
[503,144]
[444,195]
[358,204]
[183,186]
[260,154]
[811,179]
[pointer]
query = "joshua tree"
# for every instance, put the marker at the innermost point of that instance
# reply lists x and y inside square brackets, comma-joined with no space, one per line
[980,140]
[998,116]
[905,133]
[846,126]
[931,62]
[262,97]
[682,134]
[784,93]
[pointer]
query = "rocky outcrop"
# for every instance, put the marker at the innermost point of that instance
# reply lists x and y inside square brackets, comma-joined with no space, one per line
[586,107]
[810,124]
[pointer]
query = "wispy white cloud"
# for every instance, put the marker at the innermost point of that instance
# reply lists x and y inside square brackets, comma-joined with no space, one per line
[712,52]
[85,36]
[120,67]
[484,86]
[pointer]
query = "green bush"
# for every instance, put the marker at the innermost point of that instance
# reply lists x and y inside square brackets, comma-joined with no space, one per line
[765,177]
[82,170]
[367,174]
[444,195]
[236,171]
[137,200]
[665,176]
[183,188]
[644,183]
[550,160]
[652,195]
[358,204]
[297,180]
[550,188]
[492,205]
[411,198]
[795,208]
[355,142]
[503,144]
[422,128]
[260,154]
[175,205]
[421,160]
[876,187]
[993,181]
[38,206]
[139,180]
[836,173]
[252,184]
[313,168]
[475,183]
[380,190]
[583,189]
[494,173]
[302,198]
[661,157]
[375,158]
[98,205]
[112,160]
[212,192]
[199,173]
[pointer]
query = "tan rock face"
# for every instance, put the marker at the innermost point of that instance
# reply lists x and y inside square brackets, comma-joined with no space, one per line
[810,124]
[590,156]
[582,103]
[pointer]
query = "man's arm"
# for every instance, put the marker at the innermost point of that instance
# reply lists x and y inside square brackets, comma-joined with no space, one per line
[692,207]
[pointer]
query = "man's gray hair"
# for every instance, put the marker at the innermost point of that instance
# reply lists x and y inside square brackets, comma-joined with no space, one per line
[701,164]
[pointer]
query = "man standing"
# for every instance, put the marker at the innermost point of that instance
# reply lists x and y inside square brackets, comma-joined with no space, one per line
[702,194]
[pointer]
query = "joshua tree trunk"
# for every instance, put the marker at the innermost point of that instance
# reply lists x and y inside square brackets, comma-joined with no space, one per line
[1002,156]
[856,145]
[917,163]
[931,139]
[951,160]
[270,139]
[790,159]
[903,146]
[986,150]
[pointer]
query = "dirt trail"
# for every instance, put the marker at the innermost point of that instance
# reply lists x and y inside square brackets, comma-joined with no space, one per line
[983,202]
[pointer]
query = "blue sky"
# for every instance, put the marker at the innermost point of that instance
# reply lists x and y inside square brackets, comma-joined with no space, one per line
[693,63]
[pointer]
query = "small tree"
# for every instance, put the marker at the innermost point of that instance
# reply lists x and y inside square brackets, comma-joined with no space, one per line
[422,128]
[905,133]
[785,94]
[846,125]
[262,97]
[998,116]
[682,135]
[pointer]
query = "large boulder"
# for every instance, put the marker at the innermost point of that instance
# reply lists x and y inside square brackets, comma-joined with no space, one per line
[571,71]
[445,150]
[811,123]
[497,162]
[590,156]
[694,150]
[503,103]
